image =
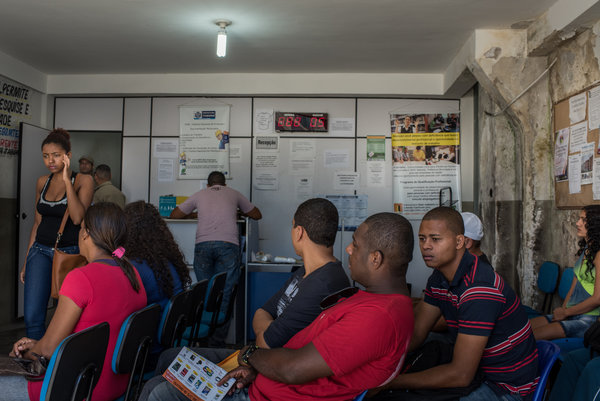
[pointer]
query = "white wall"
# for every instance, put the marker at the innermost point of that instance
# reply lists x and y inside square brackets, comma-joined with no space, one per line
[147,119]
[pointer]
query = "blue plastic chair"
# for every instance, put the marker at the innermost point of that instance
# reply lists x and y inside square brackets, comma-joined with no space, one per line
[173,320]
[547,354]
[547,279]
[196,308]
[76,365]
[133,346]
[564,285]
[212,306]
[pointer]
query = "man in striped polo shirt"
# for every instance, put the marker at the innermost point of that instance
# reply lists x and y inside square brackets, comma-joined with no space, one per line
[484,315]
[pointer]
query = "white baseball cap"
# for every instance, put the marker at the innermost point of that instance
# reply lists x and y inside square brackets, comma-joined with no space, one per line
[473,226]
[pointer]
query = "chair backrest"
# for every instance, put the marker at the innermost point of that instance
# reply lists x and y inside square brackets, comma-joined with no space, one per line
[227,315]
[133,345]
[196,306]
[548,277]
[137,329]
[76,365]
[565,282]
[214,298]
[173,320]
[216,285]
[547,354]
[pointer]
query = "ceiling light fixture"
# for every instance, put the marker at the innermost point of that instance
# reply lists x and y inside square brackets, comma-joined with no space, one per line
[222,37]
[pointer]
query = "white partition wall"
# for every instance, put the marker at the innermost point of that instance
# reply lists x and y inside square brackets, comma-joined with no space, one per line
[136,159]
[145,120]
[89,114]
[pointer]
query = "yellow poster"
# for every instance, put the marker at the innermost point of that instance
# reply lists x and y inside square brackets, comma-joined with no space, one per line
[425,162]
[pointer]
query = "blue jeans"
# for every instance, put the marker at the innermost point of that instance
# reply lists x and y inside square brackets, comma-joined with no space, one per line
[38,278]
[212,257]
[14,388]
[485,393]
[158,389]
[578,378]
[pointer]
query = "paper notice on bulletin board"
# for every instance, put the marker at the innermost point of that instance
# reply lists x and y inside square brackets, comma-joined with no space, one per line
[346,180]
[577,107]
[203,140]
[266,171]
[375,174]
[575,174]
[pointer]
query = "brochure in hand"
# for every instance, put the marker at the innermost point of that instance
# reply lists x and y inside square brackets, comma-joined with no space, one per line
[197,377]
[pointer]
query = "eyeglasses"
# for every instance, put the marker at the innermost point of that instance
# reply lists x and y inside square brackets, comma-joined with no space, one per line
[334,298]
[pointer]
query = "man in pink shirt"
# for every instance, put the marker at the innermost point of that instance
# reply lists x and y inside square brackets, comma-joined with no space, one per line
[217,238]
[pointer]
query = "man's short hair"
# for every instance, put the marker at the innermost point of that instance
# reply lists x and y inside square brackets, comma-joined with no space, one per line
[392,235]
[319,217]
[103,172]
[453,219]
[216,178]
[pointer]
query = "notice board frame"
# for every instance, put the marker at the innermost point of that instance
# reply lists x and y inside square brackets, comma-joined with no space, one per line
[561,109]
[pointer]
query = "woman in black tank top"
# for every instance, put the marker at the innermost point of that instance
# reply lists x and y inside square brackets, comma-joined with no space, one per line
[56,193]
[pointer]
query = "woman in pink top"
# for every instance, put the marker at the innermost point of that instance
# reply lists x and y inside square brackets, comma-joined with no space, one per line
[108,289]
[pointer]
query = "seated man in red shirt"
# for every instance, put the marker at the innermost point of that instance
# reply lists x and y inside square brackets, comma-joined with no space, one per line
[357,343]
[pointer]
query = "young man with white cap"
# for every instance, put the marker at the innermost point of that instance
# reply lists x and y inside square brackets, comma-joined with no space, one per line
[473,235]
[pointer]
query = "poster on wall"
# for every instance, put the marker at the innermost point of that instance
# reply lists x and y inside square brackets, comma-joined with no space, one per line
[203,141]
[18,104]
[425,161]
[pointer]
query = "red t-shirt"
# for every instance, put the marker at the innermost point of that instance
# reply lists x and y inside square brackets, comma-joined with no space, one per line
[363,340]
[104,294]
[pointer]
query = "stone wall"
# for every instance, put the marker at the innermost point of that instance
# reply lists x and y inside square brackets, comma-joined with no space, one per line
[523,225]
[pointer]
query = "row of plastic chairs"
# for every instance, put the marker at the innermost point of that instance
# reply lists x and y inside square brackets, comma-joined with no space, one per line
[75,366]
[548,282]
[194,314]
[77,362]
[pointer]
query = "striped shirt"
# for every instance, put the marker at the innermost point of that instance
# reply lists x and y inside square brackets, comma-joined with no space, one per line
[479,302]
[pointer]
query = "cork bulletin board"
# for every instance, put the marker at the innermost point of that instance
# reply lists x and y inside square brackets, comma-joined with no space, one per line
[577,149]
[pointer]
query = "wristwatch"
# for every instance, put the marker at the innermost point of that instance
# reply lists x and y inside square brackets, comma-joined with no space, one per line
[249,351]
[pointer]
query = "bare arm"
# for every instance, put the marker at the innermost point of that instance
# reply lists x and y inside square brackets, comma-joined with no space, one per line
[178,214]
[62,324]
[254,214]
[79,198]
[585,306]
[426,315]
[458,373]
[290,366]
[260,323]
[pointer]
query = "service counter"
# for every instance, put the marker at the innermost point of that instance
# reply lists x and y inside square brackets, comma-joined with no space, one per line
[263,280]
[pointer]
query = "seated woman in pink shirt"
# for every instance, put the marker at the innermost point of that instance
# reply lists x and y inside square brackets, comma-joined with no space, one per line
[108,289]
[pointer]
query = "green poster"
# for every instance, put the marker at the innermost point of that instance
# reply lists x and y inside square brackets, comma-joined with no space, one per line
[376,147]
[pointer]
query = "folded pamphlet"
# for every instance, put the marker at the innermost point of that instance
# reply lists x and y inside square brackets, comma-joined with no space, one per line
[197,377]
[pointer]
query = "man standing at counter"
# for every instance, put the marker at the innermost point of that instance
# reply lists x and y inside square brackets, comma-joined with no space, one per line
[217,238]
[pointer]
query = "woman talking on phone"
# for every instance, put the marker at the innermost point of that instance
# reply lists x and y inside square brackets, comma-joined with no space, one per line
[60,191]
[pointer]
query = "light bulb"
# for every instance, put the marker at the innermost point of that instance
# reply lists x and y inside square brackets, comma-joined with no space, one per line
[221,42]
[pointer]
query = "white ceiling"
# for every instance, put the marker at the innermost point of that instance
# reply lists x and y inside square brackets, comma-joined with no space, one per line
[299,36]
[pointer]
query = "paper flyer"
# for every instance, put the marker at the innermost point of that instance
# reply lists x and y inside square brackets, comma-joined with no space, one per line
[203,141]
[197,377]
[425,161]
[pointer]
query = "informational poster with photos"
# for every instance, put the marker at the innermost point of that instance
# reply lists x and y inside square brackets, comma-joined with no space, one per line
[425,162]
[203,141]
[197,377]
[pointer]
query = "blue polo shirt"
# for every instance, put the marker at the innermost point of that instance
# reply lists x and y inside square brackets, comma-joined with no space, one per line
[479,302]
